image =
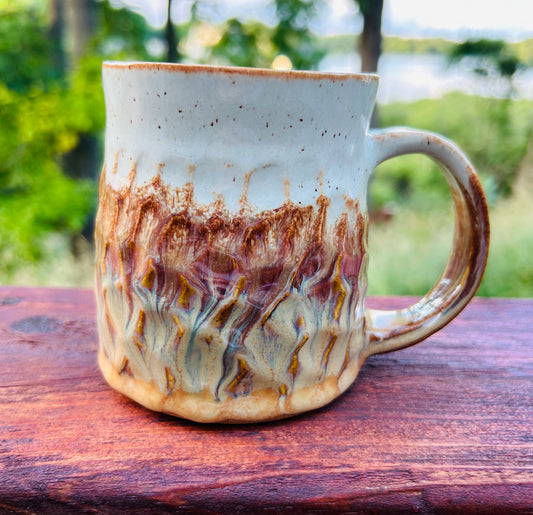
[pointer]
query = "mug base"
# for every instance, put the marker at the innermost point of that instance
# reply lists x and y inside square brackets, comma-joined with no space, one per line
[259,406]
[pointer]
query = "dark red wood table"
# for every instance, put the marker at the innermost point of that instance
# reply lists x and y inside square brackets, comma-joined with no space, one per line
[442,427]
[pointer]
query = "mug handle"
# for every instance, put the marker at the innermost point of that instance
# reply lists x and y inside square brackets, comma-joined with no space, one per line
[388,331]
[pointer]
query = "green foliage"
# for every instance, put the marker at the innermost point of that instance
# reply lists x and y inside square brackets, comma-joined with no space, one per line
[122,34]
[395,44]
[36,197]
[494,133]
[244,44]
[26,51]
[255,44]
[492,58]
[347,43]
[524,51]
[408,253]
[43,113]
[477,48]
[292,37]
[509,270]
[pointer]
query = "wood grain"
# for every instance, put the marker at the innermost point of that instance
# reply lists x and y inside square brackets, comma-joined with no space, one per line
[442,427]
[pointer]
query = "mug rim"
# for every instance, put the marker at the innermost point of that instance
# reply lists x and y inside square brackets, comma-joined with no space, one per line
[240,70]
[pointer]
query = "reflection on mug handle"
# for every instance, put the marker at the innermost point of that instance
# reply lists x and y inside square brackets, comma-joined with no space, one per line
[388,331]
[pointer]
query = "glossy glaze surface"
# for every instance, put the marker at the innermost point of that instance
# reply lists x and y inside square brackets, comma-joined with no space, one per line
[255,305]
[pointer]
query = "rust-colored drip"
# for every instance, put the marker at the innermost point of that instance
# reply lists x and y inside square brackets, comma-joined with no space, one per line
[149,277]
[140,323]
[320,179]
[295,364]
[244,197]
[287,189]
[115,164]
[171,380]
[338,288]
[325,357]
[185,291]
[242,371]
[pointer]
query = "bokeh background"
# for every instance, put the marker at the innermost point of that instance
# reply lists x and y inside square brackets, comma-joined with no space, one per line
[463,69]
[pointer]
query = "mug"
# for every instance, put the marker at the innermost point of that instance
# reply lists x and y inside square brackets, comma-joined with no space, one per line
[231,238]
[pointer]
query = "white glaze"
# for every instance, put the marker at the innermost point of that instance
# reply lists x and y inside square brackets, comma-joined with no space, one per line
[225,125]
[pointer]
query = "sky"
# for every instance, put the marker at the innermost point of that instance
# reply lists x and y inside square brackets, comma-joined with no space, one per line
[452,19]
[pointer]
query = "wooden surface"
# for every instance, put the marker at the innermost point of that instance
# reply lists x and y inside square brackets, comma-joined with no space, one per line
[442,427]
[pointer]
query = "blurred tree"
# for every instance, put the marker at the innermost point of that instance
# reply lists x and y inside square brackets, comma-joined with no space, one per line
[491,58]
[26,51]
[243,44]
[81,25]
[45,108]
[370,39]
[292,36]
[496,61]
[171,38]
[56,30]
[255,44]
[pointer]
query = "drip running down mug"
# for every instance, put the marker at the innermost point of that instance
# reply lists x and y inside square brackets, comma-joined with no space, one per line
[231,238]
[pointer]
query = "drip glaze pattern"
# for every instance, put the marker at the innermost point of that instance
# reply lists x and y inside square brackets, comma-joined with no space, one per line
[228,317]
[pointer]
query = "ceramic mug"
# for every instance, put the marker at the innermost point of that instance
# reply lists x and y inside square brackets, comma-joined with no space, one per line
[231,238]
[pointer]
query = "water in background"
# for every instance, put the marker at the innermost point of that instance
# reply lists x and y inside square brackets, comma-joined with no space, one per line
[409,77]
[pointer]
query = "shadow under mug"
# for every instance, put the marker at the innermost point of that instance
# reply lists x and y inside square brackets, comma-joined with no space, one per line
[231,238]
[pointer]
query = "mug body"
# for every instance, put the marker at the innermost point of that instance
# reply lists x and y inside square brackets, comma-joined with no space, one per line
[231,238]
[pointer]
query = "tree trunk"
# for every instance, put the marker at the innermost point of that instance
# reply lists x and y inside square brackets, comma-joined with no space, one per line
[370,51]
[370,41]
[56,33]
[81,23]
[172,40]
[82,162]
